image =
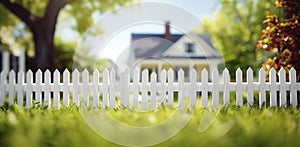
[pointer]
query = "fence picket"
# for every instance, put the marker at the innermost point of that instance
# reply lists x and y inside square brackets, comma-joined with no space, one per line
[75,80]
[95,88]
[47,94]
[153,90]
[293,89]
[105,88]
[239,90]
[2,87]
[226,92]
[65,87]
[170,88]
[112,95]
[56,95]
[38,87]
[204,79]
[126,87]
[19,88]
[136,77]
[250,98]
[282,83]
[180,88]
[193,88]
[144,88]
[85,87]
[11,87]
[215,89]
[273,92]
[28,88]
[163,78]
[262,87]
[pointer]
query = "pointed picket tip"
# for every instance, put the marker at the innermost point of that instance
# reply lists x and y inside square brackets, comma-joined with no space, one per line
[193,75]
[194,71]
[145,71]
[225,71]
[56,71]
[29,76]
[56,75]
[66,71]
[105,73]
[292,70]
[249,71]
[20,76]
[238,71]
[112,71]
[215,71]
[181,71]
[214,68]
[170,71]
[226,74]
[163,71]
[292,75]
[262,70]
[153,76]
[282,72]
[75,70]
[47,72]
[29,72]
[85,71]
[39,71]
[96,72]
[105,70]
[180,74]
[249,74]
[39,75]
[281,69]
[12,73]
[204,74]
[20,72]
[272,70]
[3,72]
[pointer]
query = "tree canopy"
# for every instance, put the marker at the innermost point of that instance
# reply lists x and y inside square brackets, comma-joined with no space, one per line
[39,17]
[282,36]
[235,29]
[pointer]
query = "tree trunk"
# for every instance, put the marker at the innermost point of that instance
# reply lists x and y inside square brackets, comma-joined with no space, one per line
[44,58]
[42,28]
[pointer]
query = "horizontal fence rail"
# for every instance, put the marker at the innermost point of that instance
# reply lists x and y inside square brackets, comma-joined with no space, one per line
[140,91]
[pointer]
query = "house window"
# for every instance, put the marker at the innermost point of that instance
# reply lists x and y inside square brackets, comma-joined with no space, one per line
[189,48]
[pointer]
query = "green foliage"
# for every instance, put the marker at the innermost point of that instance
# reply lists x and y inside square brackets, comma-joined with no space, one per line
[282,36]
[81,13]
[64,53]
[232,127]
[235,29]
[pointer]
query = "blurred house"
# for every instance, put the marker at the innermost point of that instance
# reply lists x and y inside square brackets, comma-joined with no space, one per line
[163,51]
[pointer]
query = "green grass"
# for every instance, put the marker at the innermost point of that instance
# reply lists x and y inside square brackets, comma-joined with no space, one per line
[233,127]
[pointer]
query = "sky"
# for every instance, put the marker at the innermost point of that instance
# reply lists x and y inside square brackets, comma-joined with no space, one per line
[148,16]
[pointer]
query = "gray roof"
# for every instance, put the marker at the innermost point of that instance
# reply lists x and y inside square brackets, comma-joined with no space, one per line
[153,45]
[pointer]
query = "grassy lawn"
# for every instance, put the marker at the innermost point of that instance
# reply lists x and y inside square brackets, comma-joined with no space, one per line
[232,127]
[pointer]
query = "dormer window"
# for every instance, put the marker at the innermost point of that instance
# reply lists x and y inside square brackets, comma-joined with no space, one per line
[189,48]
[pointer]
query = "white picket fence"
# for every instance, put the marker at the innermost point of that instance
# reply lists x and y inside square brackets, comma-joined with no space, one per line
[6,60]
[144,93]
